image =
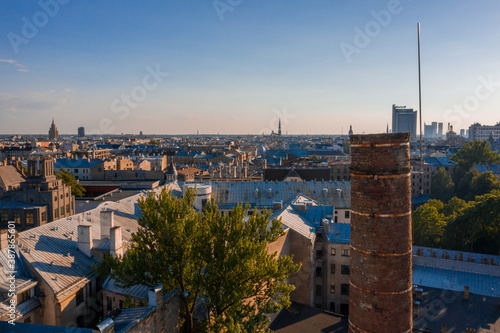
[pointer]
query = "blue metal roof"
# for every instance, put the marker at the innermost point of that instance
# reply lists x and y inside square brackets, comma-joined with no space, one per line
[439,161]
[340,233]
[76,163]
[441,278]
[495,168]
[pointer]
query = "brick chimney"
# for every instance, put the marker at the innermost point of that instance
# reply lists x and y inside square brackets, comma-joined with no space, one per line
[85,243]
[107,222]
[116,242]
[380,295]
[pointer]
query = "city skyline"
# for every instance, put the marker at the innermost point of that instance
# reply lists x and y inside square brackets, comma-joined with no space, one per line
[236,67]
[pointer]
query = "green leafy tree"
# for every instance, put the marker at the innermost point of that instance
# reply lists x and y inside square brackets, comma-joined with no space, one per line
[428,224]
[442,186]
[219,259]
[477,227]
[483,183]
[475,152]
[347,147]
[76,189]
[474,183]
[454,207]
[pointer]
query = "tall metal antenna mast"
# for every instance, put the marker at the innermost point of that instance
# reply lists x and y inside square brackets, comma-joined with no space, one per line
[420,112]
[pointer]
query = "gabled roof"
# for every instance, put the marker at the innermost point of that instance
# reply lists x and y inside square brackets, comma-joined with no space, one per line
[290,219]
[9,176]
[51,249]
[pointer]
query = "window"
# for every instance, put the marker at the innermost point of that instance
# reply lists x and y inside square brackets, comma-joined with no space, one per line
[76,170]
[344,289]
[30,218]
[332,268]
[122,304]
[344,269]
[318,290]
[346,214]
[62,210]
[4,218]
[336,219]
[332,288]
[345,252]
[333,251]
[44,216]
[332,306]
[319,271]
[344,309]
[67,208]
[319,254]
[109,303]
[17,218]
[79,297]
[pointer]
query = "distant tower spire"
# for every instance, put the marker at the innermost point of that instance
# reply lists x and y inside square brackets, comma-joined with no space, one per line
[387,130]
[350,130]
[279,127]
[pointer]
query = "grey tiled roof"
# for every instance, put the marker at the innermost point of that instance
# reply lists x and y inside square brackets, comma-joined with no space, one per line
[138,291]
[51,249]
[9,176]
[263,194]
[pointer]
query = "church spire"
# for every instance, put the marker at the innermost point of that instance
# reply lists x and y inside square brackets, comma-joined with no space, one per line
[279,127]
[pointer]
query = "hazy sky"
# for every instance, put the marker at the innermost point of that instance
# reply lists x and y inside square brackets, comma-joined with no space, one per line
[234,66]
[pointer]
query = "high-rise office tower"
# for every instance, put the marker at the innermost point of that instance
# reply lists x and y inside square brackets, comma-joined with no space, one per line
[440,130]
[81,132]
[404,120]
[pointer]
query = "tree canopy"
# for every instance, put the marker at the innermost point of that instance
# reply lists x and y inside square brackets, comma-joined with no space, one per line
[472,226]
[475,152]
[218,260]
[76,189]
[442,186]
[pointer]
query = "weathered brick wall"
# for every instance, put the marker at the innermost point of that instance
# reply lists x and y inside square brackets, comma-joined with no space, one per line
[301,249]
[380,282]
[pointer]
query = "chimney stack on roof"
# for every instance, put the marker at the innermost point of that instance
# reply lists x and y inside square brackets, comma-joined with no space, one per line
[85,239]
[116,242]
[155,296]
[107,222]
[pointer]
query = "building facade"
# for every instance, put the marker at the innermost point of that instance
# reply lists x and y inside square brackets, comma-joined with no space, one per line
[483,132]
[42,198]
[404,120]
[53,132]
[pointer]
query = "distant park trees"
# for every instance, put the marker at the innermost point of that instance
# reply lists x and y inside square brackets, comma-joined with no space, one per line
[466,183]
[464,212]
[472,226]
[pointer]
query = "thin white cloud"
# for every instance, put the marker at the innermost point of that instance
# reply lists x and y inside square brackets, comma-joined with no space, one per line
[21,67]
[34,101]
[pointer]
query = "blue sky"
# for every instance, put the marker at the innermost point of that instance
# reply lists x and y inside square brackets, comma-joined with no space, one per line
[234,66]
